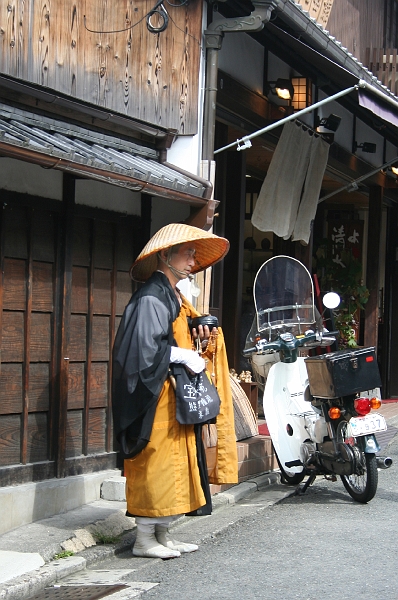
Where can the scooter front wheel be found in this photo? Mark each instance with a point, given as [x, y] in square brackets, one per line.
[287, 478]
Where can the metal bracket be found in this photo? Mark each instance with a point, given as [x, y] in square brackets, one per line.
[246, 144]
[253, 22]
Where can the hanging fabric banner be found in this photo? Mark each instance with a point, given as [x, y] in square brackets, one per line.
[288, 198]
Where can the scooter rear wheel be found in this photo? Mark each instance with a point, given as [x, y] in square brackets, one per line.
[362, 488]
[289, 479]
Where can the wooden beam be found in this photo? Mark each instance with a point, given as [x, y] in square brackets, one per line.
[203, 218]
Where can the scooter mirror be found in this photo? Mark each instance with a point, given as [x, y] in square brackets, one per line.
[331, 300]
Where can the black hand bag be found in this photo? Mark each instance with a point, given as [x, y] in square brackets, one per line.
[197, 399]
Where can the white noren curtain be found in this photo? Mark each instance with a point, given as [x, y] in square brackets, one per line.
[288, 198]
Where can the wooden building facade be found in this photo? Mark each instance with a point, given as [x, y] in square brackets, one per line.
[132, 81]
[97, 90]
[110, 54]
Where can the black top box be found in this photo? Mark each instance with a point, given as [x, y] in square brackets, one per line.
[343, 373]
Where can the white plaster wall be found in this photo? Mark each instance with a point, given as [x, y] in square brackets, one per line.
[109, 197]
[185, 153]
[277, 68]
[166, 211]
[391, 151]
[243, 59]
[26, 178]
[185, 287]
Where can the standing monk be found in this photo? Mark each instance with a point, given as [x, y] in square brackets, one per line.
[165, 464]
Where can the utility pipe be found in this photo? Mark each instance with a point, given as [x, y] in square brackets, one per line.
[214, 35]
[210, 105]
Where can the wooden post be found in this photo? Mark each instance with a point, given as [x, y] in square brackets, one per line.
[233, 262]
[66, 267]
[89, 341]
[27, 343]
[372, 265]
[304, 253]
[389, 345]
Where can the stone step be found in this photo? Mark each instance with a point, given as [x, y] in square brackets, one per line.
[255, 456]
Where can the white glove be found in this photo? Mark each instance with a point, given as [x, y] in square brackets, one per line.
[189, 358]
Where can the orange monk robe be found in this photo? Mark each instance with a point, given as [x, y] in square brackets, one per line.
[163, 479]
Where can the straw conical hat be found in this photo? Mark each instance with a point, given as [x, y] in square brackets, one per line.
[210, 249]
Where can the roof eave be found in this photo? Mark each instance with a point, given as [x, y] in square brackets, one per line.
[52, 162]
[320, 39]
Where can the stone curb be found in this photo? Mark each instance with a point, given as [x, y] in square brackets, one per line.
[34, 581]
[51, 573]
[245, 489]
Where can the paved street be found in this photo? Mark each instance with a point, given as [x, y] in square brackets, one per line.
[320, 545]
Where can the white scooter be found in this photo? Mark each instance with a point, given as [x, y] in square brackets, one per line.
[319, 421]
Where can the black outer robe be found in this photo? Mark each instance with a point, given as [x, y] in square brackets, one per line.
[141, 357]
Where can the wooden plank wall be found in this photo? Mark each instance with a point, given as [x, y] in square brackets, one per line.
[101, 288]
[42, 419]
[29, 266]
[383, 63]
[118, 65]
[358, 24]
[318, 9]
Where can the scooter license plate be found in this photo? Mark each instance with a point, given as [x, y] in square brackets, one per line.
[367, 424]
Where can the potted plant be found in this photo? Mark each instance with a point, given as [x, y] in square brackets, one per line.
[342, 272]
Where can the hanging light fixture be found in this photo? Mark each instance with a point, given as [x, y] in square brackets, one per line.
[283, 88]
[331, 122]
[365, 147]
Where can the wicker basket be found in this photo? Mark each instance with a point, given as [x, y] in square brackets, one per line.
[209, 437]
[245, 419]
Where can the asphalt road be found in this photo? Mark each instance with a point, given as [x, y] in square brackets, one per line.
[322, 545]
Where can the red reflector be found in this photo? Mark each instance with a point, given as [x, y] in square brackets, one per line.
[369, 359]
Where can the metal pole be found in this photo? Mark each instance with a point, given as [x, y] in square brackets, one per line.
[246, 139]
[354, 184]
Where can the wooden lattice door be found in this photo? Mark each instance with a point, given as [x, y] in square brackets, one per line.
[101, 287]
[64, 286]
[29, 242]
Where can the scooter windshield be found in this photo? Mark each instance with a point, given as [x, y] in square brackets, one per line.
[283, 294]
